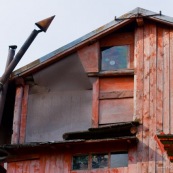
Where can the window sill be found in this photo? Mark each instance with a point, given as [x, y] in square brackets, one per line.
[123, 72]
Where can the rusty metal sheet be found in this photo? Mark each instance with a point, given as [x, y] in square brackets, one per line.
[52, 114]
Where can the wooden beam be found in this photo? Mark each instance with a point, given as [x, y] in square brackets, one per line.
[17, 115]
[24, 114]
[95, 104]
[116, 94]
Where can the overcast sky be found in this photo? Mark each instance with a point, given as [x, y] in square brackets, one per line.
[74, 18]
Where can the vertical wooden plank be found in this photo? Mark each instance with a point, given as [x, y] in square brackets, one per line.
[132, 160]
[171, 88]
[47, 164]
[34, 166]
[11, 167]
[17, 115]
[146, 113]
[159, 97]
[166, 81]
[95, 104]
[166, 113]
[24, 114]
[171, 81]
[138, 89]
[26, 167]
[52, 162]
[60, 163]
[42, 163]
[152, 122]
[19, 167]
[67, 162]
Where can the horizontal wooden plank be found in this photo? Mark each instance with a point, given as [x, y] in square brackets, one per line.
[117, 39]
[117, 83]
[116, 94]
[122, 72]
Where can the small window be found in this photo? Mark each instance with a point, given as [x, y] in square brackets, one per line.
[80, 162]
[114, 58]
[119, 160]
[99, 161]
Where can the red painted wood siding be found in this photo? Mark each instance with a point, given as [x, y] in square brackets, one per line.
[153, 94]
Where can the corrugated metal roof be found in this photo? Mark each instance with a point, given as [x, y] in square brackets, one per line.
[92, 36]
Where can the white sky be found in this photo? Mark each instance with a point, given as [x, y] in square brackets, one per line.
[74, 18]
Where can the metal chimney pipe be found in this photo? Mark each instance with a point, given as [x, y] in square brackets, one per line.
[10, 57]
[43, 26]
[17, 58]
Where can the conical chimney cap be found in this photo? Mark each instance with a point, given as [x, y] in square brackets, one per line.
[44, 24]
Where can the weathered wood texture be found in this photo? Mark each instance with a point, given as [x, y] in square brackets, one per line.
[153, 94]
[24, 114]
[29, 166]
[17, 115]
[116, 99]
[89, 57]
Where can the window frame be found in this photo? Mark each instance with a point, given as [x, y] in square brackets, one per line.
[95, 153]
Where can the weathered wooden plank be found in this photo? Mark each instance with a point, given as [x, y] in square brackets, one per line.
[19, 167]
[166, 72]
[43, 159]
[146, 113]
[171, 81]
[132, 160]
[26, 167]
[95, 104]
[24, 114]
[67, 162]
[166, 96]
[117, 83]
[11, 167]
[115, 110]
[35, 166]
[116, 94]
[17, 115]
[159, 97]
[89, 56]
[117, 39]
[171, 88]
[60, 163]
[138, 90]
[152, 122]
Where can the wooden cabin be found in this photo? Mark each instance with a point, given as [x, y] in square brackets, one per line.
[103, 103]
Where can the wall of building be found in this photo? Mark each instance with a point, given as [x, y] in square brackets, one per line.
[153, 94]
[60, 101]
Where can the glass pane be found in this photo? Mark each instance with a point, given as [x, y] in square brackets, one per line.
[80, 162]
[99, 161]
[119, 160]
[114, 58]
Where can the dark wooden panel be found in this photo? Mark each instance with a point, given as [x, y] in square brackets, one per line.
[116, 94]
[52, 114]
[116, 110]
[117, 39]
